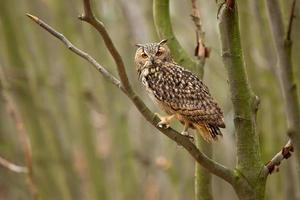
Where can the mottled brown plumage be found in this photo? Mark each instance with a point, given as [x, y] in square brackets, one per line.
[178, 91]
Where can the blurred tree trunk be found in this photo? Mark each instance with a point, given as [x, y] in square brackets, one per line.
[203, 179]
[290, 191]
[49, 178]
[285, 72]
[123, 154]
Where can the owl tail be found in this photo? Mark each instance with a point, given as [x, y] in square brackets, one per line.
[208, 132]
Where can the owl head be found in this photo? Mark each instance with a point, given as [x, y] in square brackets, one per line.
[151, 54]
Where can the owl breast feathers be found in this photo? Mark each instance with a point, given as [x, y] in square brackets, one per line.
[180, 93]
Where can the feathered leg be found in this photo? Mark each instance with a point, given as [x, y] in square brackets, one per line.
[185, 128]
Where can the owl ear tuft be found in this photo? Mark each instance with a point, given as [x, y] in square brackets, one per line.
[164, 41]
[139, 45]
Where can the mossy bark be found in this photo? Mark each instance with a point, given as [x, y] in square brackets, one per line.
[248, 184]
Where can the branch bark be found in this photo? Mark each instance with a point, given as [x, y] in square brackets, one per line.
[285, 74]
[125, 87]
[245, 104]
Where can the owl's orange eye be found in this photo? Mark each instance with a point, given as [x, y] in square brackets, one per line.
[158, 53]
[144, 55]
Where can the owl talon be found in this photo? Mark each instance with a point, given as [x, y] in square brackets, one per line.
[191, 138]
[162, 125]
[186, 134]
[164, 121]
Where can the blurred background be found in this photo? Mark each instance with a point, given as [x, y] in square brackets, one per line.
[88, 141]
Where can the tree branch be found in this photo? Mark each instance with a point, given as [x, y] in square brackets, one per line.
[273, 164]
[77, 51]
[210, 165]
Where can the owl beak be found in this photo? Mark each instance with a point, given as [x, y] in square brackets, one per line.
[151, 60]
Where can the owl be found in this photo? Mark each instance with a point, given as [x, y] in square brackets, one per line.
[177, 91]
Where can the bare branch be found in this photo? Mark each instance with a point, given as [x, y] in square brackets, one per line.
[13, 167]
[273, 164]
[184, 141]
[291, 19]
[77, 51]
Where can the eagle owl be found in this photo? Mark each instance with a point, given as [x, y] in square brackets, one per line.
[177, 91]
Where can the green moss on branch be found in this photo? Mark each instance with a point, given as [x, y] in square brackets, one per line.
[249, 161]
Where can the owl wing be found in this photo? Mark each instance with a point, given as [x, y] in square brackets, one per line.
[181, 91]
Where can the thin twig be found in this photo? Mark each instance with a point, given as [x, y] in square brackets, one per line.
[77, 51]
[291, 19]
[24, 139]
[184, 141]
[13, 167]
[201, 51]
[273, 164]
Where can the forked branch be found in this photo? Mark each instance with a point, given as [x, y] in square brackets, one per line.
[89, 17]
[124, 85]
[77, 51]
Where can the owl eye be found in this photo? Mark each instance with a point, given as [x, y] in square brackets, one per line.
[144, 55]
[158, 53]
